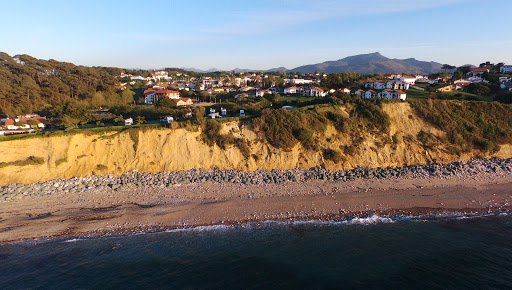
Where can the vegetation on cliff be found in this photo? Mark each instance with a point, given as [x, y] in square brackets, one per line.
[468, 125]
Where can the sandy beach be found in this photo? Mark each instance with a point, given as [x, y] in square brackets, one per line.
[146, 209]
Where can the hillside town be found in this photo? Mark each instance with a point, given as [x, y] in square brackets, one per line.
[186, 90]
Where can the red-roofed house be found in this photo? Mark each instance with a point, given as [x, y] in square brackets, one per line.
[183, 102]
[370, 94]
[387, 93]
[152, 96]
[400, 95]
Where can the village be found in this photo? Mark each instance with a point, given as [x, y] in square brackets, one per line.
[186, 91]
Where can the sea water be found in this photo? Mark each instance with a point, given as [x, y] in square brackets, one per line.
[374, 252]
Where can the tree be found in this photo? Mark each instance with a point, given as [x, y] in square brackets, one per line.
[127, 96]
[199, 113]
[167, 103]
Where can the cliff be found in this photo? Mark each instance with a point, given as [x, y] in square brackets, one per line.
[158, 150]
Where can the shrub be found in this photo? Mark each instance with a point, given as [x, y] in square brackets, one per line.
[333, 155]
[101, 167]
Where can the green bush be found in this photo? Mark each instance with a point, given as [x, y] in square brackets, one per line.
[469, 125]
[333, 155]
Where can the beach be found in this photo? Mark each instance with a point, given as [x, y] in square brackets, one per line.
[132, 210]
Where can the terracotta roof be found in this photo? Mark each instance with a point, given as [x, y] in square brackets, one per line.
[400, 92]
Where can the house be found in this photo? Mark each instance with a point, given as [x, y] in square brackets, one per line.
[223, 111]
[242, 113]
[478, 71]
[167, 119]
[387, 93]
[152, 96]
[222, 90]
[408, 79]
[370, 94]
[301, 81]
[399, 95]
[448, 88]
[317, 92]
[182, 102]
[360, 92]
[506, 69]
[377, 85]
[261, 93]
[397, 85]
[213, 114]
[345, 91]
[291, 90]
[128, 122]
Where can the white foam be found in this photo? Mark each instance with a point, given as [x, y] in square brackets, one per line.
[202, 229]
[72, 240]
[371, 220]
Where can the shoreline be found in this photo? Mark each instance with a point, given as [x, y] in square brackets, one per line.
[127, 211]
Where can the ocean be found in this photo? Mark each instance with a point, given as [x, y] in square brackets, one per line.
[377, 253]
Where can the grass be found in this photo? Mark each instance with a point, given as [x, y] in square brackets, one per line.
[31, 160]
[413, 94]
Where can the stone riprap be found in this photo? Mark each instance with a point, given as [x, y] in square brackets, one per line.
[134, 179]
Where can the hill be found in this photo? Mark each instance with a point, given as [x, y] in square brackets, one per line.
[372, 63]
[28, 85]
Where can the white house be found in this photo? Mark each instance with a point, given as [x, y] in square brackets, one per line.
[302, 81]
[378, 85]
[360, 92]
[408, 79]
[152, 96]
[345, 91]
[370, 94]
[506, 69]
[400, 95]
[223, 111]
[291, 90]
[182, 102]
[261, 93]
[128, 122]
[168, 119]
[387, 93]
[397, 85]
[242, 113]
[317, 92]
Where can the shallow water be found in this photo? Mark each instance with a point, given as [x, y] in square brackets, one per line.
[361, 253]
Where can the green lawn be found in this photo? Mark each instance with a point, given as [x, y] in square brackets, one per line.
[414, 94]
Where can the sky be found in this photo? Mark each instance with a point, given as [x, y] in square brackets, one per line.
[260, 34]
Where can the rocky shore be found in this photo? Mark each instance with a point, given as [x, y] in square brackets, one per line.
[136, 179]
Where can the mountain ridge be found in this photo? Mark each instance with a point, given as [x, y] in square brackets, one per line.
[372, 63]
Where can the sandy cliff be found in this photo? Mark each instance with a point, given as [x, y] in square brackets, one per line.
[169, 150]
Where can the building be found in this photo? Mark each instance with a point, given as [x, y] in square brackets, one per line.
[261, 93]
[152, 96]
[359, 92]
[399, 95]
[291, 90]
[397, 85]
[387, 93]
[183, 102]
[370, 94]
[128, 122]
[506, 69]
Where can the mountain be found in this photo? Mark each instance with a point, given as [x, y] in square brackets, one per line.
[372, 63]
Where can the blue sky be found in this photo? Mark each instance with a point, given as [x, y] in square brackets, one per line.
[255, 34]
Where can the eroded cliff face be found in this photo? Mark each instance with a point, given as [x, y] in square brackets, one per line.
[172, 150]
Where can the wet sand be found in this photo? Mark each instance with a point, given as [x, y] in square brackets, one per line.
[147, 209]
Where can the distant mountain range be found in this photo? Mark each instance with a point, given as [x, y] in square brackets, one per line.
[372, 63]
[363, 63]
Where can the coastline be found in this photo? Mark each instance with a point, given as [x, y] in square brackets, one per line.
[132, 210]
